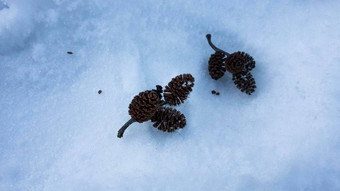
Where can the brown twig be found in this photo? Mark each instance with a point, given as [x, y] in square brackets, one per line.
[214, 47]
[125, 126]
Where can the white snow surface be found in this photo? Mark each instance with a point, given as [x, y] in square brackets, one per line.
[58, 133]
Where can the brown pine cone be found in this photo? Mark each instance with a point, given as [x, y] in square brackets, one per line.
[239, 62]
[216, 65]
[249, 62]
[143, 106]
[245, 82]
[178, 89]
[168, 119]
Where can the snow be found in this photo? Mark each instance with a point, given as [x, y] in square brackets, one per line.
[58, 133]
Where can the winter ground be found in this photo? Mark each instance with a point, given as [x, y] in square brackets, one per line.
[57, 133]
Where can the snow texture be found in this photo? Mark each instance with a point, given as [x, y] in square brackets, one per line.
[58, 133]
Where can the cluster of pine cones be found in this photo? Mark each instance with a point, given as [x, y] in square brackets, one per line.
[149, 105]
[239, 64]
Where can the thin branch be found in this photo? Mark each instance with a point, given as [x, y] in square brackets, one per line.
[125, 126]
[214, 47]
[163, 103]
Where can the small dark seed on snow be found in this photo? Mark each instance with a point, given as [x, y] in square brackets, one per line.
[69, 52]
[100, 91]
[213, 92]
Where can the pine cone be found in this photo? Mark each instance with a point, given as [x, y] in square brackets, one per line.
[245, 82]
[249, 62]
[216, 66]
[168, 119]
[178, 89]
[239, 62]
[143, 106]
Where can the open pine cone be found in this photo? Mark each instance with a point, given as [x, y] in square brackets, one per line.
[144, 105]
[239, 62]
[235, 63]
[249, 62]
[216, 65]
[168, 120]
[178, 89]
[245, 82]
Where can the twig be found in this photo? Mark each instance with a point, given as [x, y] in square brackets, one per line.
[214, 47]
[125, 126]
[163, 103]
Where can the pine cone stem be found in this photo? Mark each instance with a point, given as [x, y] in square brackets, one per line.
[124, 127]
[163, 103]
[128, 123]
[214, 47]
